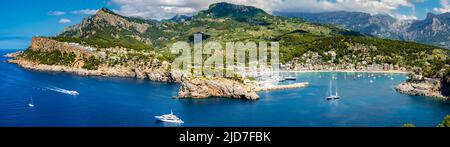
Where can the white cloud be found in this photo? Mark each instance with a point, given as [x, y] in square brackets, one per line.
[389, 7]
[445, 7]
[57, 13]
[64, 20]
[159, 9]
[85, 12]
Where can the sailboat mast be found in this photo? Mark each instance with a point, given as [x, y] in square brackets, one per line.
[336, 91]
[330, 86]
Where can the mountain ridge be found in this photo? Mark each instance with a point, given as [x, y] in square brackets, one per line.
[433, 30]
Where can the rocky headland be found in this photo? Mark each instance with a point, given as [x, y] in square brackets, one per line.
[429, 87]
[425, 88]
[13, 55]
[157, 71]
[216, 87]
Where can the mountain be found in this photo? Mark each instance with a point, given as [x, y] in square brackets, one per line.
[107, 28]
[110, 44]
[225, 22]
[434, 30]
[229, 22]
[221, 21]
[239, 13]
[178, 18]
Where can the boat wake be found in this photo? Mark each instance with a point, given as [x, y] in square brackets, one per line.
[56, 89]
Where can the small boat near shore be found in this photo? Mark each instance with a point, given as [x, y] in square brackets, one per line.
[31, 104]
[171, 118]
[291, 78]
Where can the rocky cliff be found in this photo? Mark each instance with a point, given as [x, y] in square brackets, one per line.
[216, 87]
[445, 86]
[104, 18]
[429, 88]
[154, 70]
[13, 55]
[48, 45]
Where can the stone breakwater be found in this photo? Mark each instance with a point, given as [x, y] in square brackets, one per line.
[283, 87]
[429, 88]
[216, 87]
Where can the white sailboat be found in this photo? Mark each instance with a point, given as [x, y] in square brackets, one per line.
[31, 104]
[290, 77]
[331, 96]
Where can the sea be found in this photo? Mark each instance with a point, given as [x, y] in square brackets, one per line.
[129, 102]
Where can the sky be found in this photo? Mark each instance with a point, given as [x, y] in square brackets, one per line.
[23, 19]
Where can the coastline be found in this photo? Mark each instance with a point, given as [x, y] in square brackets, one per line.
[430, 89]
[161, 74]
[154, 74]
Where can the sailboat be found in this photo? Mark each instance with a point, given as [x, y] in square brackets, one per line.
[331, 96]
[31, 104]
[290, 77]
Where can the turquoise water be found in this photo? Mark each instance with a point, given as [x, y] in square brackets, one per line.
[130, 102]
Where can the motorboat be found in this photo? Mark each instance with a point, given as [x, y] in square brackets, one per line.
[73, 93]
[31, 104]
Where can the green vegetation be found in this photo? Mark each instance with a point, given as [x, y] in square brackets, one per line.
[57, 57]
[102, 40]
[91, 63]
[425, 59]
[225, 22]
[238, 78]
[51, 58]
[409, 125]
[445, 122]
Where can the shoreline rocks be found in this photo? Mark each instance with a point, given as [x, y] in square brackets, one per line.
[13, 55]
[216, 87]
[154, 74]
[428, 88]
[193, 88]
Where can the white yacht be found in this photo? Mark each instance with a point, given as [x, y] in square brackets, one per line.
[331, 96]
[31, 104]
[171, 118]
